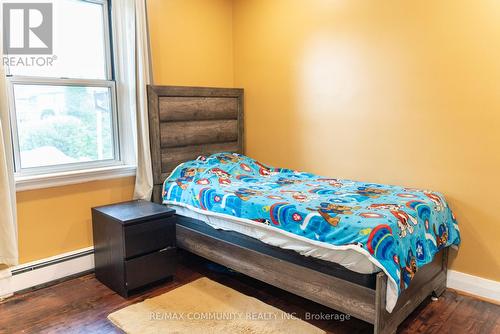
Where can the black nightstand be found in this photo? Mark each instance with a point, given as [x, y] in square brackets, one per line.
[134, 245]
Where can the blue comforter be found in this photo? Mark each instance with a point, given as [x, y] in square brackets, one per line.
[400, 229]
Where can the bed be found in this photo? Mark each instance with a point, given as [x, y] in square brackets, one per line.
[188, 122]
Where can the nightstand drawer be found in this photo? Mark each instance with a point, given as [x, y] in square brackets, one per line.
[149, 236]
[150, 268]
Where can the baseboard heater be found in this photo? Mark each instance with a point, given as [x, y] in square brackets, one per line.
[38, 274]
[51, 262]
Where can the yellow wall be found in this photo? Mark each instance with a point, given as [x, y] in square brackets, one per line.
[387, 91]
[401, 92]
[58, 220]
[191, 42]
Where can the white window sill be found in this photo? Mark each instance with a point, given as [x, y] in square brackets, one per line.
[73, 177]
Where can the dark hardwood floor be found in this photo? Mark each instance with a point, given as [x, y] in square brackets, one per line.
[80, 305]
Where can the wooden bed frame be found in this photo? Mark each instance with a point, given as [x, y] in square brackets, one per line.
[186, 122]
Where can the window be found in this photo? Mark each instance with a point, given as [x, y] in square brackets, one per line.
[63, 113]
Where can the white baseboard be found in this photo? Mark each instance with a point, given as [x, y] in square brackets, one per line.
[474, 285]
[43, 271]
[28, 275]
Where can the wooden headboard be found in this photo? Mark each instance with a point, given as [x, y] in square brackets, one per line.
[186, 122]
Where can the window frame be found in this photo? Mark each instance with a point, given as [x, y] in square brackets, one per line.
[44, 173]
[26, 171]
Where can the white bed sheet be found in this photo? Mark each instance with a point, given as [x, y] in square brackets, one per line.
[348, 258]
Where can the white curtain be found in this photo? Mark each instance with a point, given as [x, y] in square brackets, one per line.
[133, 73]
[8, 227]
[8, 230]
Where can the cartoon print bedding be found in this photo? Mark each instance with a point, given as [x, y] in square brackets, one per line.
[399, 229]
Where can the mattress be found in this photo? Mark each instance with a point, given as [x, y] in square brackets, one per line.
[348, 258]
[395, 229]
[203, 230]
